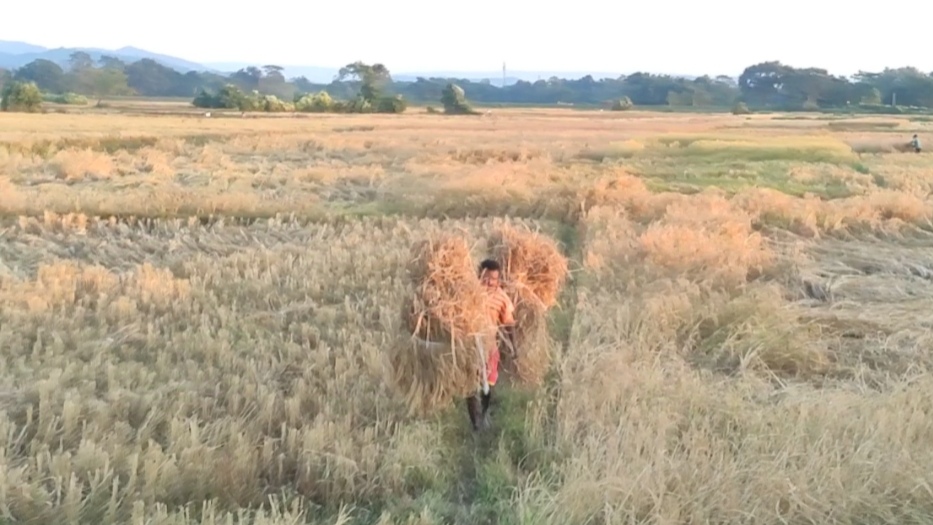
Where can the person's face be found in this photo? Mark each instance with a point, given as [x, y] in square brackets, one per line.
[490, 279]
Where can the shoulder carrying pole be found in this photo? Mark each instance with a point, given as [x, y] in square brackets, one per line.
[482, 358]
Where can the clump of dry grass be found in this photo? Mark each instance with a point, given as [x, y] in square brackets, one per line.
[65, 285]
[533, 272]
[692, 288]
[78, 164]
[704, 237]
[757, 330]
[155, 162]
[876, 210]
[447, 326]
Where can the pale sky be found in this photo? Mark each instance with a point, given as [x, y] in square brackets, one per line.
[675, 36]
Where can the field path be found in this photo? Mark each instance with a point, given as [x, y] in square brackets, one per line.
[481, 490]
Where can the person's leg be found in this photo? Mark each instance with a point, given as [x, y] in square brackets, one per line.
[492, 367]
[492, 376]
[474, 409]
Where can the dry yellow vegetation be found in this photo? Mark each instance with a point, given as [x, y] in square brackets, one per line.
[195, 315]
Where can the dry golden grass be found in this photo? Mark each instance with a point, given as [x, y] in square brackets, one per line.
[743, 338]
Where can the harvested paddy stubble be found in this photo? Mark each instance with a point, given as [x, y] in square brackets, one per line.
[695, 398]
[704, 379]
[149, 369]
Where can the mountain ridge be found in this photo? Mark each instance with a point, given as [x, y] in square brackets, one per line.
[15, 54]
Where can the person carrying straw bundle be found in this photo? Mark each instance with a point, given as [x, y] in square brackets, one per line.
[501, 312]
[534, 270]
[449, 332]
[455, 319]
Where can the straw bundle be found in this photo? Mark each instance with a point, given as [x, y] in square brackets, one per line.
[533, 271]
[530, 259]
[439, 359]
[448, 294]
[531, 340]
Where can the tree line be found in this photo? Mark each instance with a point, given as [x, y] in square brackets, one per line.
[362, 87]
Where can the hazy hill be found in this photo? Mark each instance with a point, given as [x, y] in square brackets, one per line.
[17, 54]
[17, 48]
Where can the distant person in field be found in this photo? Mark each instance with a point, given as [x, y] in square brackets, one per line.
[915, 143]
[502, 312]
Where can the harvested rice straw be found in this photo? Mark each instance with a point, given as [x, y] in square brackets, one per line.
[533, 271]
[437, 359]
[447, 288]
[530, 258]
[531, 338]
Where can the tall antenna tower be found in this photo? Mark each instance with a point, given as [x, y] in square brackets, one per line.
[503, 74]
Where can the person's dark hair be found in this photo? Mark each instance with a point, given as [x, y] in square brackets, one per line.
[489, 265]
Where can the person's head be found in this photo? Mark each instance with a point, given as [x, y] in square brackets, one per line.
[915, 135]
[489, 273]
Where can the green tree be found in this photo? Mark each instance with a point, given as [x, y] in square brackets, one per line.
[21, 97]
[105, 82]
[372, 78]
[150, 78]
[396, 104]
[622, 104]
[319, 102]
[273, 82]
[273, 73]
[869, 96]
[46, 74]
[453, 98]
[227, 97]
[110, 62]
[80, 61]
[761, 84]
[248, 78]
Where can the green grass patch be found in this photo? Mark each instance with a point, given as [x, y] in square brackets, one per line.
[71, 99]
[721, 149]
[850, 125]
[733, 177]
[796, 149]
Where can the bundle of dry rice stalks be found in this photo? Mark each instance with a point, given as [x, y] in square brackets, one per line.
[439, 359]
[533, 271]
